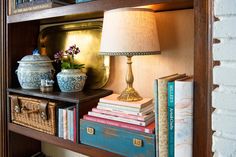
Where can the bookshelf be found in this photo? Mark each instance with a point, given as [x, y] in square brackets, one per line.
[19, 35]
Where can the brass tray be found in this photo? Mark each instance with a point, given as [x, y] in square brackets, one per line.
[87, 36]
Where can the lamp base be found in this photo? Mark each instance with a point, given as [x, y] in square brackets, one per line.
[129, 94]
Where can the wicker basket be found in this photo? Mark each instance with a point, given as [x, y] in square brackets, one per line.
[34, 113]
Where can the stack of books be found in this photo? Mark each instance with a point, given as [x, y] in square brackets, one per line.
[136, 115]
[67, 120]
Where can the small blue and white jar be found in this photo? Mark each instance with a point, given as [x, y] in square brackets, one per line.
[71, 80]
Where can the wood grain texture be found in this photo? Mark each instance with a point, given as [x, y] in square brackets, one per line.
[22, 40]
[75, 97]
[22, 146]
[203, 10]
[87, 150]
[3, 113]
[95, 9]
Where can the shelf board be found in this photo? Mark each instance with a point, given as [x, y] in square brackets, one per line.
[75, 97]
[95, 9]
[80, 148]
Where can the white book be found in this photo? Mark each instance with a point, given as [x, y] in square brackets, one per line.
[147, 110]
[120, 119]
[183, 136]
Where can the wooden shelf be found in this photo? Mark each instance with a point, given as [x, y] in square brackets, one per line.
[95, 9]
[80, 148]
[76, 97]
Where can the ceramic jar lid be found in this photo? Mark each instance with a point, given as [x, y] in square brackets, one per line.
[35, 59]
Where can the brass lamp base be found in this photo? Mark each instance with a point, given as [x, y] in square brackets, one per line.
[129, 94]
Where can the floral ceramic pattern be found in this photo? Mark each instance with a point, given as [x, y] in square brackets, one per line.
[32, 80]
[71, 80]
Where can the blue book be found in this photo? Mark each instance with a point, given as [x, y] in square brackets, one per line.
[171, 118]
[60, 123]
[156, 116]
[70, 123]
[81, 1]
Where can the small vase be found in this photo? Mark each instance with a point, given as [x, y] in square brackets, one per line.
[71, 80]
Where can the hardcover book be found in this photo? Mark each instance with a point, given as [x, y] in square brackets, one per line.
[120, 119]
[156, 116]
[163, 113]
[112, 99]
[183, 136]
[171, 116]
[125, 108]
[145, 111]
[147, 129]
[70, 123]
[35, 5]
[60, 123]
[128, 116]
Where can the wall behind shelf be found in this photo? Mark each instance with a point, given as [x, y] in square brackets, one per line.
[176, 35]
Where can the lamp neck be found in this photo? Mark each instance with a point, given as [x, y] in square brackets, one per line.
[129, 75]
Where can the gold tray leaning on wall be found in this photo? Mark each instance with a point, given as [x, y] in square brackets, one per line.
[86, 35]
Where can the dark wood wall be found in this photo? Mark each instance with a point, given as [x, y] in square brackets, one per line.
[3, 121]
[202, 139]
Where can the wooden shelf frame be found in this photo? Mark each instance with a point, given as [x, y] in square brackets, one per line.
[95, 9]
[203, 19]
[66, 144]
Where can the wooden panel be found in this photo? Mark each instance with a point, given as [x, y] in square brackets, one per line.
[22, 40]
[22, 146]
[94, 9]
[74, 97]
[3, 116]
[203, 78]
[87, 150]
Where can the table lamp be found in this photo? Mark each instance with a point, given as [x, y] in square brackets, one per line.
[129, 32]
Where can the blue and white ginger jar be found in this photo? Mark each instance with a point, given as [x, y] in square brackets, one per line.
[33, 68]
[71, 80]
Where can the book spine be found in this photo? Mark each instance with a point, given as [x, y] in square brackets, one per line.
[74, 123]
[65, 132]
[60, 123]
[112, 99]
[32, 8]
[130, 121]
[119, 107]
[171, 114]
[156, 115]
[162, 118]
[126, 112]
[118, 124]
[71, 126]
[119, 114]
[68, 125]
[183, 118]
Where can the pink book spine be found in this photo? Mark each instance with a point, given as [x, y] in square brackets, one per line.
[75, 121]
[119, 114]
[148, 129]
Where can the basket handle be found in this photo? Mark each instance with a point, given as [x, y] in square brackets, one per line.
[42, 110]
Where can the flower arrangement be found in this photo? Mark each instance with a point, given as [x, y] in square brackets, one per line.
[67, 58]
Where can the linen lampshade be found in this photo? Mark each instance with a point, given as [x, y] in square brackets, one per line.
[128, 32]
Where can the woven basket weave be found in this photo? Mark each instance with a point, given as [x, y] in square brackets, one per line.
[33, 120]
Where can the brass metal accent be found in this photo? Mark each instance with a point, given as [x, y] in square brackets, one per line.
[137, 142]
[129, 94]
[17, 107]
[90, 131]
[86, 35]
